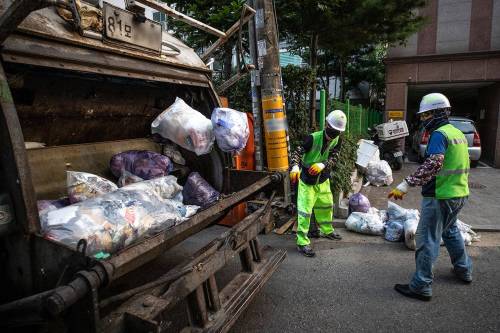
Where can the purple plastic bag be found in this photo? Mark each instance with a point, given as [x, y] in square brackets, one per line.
[359, 203]
[198, 191]
[142, 163]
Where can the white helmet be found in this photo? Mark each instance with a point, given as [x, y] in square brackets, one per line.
[433, 101]
[337, 120]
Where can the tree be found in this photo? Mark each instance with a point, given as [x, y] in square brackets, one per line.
[220, 14]
[342, 27]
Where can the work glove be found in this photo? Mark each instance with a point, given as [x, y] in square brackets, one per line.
[294, 174]
[399, 191]
[316, 168]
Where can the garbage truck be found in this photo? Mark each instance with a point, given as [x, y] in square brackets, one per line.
[77, 87]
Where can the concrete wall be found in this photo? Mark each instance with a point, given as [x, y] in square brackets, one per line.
[489, 100]
[454, 26]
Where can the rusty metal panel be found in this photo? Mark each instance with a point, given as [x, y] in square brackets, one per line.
[47, 23]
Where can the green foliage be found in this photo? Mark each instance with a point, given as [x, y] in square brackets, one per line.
[239, 95]
[296, 83]
[341, 174]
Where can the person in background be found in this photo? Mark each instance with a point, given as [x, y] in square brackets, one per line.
[444, 179]
[311, 166]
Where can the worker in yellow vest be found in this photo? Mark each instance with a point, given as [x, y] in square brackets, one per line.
[444, 179]
[311, 166]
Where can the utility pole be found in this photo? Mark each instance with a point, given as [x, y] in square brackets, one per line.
[271, 89]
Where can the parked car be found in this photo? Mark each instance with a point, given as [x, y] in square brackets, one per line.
[466, 125]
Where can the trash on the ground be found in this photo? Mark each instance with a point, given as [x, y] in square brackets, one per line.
[48, 205]
[359, 203]
[34, 145]
[142, 163]
[231, 129]
[171, 151]
[365, 223]
[408, 218]
[115, 220]
[394, 231]
[367, 152]
[186, 127]
[197, 191]
[392, 130]
[467, 233]
[379, 173]
[128, 178]
[83, 186]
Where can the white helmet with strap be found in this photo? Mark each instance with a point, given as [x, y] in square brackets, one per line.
[337, 120]
[433, 101]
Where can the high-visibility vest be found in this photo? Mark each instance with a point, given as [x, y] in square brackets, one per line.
[453, 179]
[314, 155]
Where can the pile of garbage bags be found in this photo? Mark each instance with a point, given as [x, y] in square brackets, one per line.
[115, 220]
[231, 129]
[186, 127]
[397, 224]
[84, 186]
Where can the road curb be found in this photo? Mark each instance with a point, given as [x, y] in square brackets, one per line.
[485, 228]
[340, 223]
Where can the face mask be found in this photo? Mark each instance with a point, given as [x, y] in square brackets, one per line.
[331, 133]
[428, 122]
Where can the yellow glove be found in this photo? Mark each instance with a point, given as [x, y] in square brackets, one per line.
[316, 168]
[294, 174]
[399, 191]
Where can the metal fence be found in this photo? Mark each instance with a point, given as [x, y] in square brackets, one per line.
[359, 119]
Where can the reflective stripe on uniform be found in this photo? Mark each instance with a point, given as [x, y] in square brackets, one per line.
[323, 207]
[303, 214]
[453, 172]
[458, 141]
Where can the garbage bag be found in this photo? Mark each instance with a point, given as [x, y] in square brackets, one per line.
[379, 173]
[365, 223]
[410, 227]
[127, 178]
[142, 163]
[467, 233]
[171, 151]
[115, 220]
[186, 127]
[48, 205]
[231, 129]
[197, 191]
[83, 186]
[394, 232]
[359, 203]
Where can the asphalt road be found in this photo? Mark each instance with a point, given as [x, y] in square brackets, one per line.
[348, 287]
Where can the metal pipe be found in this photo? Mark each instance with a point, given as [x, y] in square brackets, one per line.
[163, 8]
[322, 109]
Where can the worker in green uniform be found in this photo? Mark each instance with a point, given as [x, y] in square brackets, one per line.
[311, 166]
[444, 179]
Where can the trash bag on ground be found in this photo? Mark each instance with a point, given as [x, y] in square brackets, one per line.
[83, 186]
[408, 218]
[127, 178]
[230, 129]
[142, 163]
[186, 127]
[379, 173]
[197, 191]
[48, 205]
[359, 203]
[115, 220]
[365, 223]
[394, 231]
[467, 233]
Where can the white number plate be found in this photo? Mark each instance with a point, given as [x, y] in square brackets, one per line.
[120, 25]
[398, 154]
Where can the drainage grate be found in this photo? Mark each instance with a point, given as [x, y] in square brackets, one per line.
[476, 185]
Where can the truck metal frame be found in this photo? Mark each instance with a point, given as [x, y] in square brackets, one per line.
[79, 283]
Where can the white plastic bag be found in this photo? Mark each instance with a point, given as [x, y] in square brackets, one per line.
[83, 186]
[408, 217]
[115, 220]
[379, 173]
[186, 127]
[231, 129]
[127, 178]
[467, 233]
[365, 223]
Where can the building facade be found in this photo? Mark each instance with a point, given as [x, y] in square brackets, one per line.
[457, 53]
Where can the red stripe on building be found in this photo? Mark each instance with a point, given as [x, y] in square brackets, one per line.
[480, 25]
[427, 36]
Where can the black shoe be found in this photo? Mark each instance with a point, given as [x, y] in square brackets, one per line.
[313, 234]
[332, 236]
[404, 290]
[306, 250]
[464, 277]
